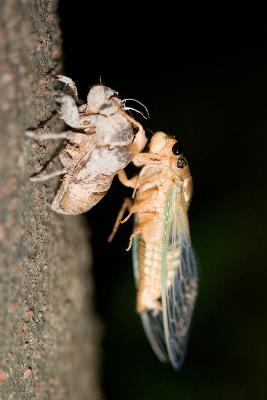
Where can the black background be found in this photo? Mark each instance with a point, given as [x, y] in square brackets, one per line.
[205, 80]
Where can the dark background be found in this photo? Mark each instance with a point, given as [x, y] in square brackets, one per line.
[204, 80]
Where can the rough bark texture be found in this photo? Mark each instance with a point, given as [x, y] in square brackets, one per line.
[48, 331]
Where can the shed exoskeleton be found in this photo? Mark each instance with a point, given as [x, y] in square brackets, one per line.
[102, 140]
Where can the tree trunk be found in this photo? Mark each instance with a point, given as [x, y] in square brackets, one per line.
[48, 330]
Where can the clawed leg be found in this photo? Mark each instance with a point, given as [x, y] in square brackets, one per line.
[140, 139]
[69, 82]
[44, 177]
[69, 110]
[133, 235]
[132, 182]
[141, 206]
[127, 205]
[147, 159]
[50, 136]
[40, 177]
[140, 227]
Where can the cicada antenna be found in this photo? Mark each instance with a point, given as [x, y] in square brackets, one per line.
[134, 109]
[139, 102]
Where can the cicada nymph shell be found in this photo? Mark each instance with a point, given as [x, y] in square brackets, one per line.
[101, 141]
[164, 261]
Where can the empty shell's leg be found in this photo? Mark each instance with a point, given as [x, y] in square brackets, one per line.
[140, 139]
[127, 205]
[51, 135]
[69, 82]
[69, 110]
[44, 177]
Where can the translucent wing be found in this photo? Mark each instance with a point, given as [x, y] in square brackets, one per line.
[167, 331]
[153, 324]
[178, 277]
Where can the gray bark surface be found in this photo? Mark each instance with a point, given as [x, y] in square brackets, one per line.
[49, 334]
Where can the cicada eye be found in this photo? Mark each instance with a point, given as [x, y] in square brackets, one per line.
[181, 163]
[177, 148]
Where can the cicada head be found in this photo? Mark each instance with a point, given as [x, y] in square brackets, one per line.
[103, 100]
[172, 150]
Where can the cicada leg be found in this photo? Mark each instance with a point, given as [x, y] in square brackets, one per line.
[140, 139]
[132, 182]
[51, 135]
[140, 206]
[142, 159]
[44, 177]
[127, 205]
[150, 216]
[70, 83]
[69, 111]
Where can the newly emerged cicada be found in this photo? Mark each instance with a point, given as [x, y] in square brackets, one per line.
[101, 140]
[164, 262]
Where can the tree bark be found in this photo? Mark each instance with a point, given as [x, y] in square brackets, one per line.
[48, 330]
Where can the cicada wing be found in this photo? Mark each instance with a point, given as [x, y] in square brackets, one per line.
[167, 330]
[179, 277]
[152, 324]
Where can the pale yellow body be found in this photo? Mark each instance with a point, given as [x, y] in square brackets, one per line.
[158, 174]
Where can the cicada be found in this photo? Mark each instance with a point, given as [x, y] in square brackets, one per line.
[101, 141]
[164, 261]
